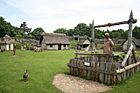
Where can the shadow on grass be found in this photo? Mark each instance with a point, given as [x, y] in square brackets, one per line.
[22, 80]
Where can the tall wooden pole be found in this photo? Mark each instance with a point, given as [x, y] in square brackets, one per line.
[93, 30]
[130, 34]
[93, 37]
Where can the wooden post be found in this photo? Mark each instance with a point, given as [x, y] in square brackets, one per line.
[130, 35]
[92, 45]
[93, 30]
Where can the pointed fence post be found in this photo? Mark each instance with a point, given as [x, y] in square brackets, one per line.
[93, 37]
[130, 34]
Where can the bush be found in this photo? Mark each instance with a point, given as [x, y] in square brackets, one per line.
[18, 45]
[73, 44]
[117, 47]
[25, 45]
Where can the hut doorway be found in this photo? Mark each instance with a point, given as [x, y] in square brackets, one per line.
[59, 46]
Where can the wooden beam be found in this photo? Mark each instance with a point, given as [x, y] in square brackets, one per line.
[116, 23]
[127, 67]
[130, 34]
[127, 56]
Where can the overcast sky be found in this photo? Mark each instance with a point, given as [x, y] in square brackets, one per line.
[53, 14]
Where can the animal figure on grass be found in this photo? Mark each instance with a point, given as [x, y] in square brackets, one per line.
[25, 75]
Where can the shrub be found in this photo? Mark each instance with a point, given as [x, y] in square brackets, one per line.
[117, 47]
[73, 44]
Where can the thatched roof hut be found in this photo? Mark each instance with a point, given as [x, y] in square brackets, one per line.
[54, 41]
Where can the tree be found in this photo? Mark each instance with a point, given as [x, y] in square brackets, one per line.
[4, 27]
[7, 28]
[136, 32]
[82, 29]
[61, 30]
[70, 32]
[24, 28]
[99, 34]
[37, 33]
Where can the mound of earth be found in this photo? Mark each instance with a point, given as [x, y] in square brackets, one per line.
[71, 84]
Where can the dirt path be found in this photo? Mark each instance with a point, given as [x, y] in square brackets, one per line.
[71, 84]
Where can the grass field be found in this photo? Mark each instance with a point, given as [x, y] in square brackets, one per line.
[42, 67]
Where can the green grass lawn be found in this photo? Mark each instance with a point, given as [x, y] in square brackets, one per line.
[42, 67]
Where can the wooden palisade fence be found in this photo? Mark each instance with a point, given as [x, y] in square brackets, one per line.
[104, 68]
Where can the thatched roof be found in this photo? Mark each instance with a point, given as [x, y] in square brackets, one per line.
[134, 40]
[55, 38]
[84, 42]
[7, 40]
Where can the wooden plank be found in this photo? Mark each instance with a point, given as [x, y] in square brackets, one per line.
[119, 77]
[109, 75]
[112, 76]
[80, 64]
[134, 56]
[72, 63]
[93, 72]
[96, 71]
[102, 67]
[133, 70]
[75, 67]
[127, 55]
[127, 67]
[127, 73]
[116, 23]
[106, 76]
[77, 64]
[89, 73]
[137, 68]
[124, 75]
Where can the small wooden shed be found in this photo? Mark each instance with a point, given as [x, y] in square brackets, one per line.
[6, 43]
[84, 43]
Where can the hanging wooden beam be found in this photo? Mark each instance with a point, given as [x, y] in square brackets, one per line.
[116, 23]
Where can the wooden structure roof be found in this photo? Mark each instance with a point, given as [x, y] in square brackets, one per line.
[55, 38]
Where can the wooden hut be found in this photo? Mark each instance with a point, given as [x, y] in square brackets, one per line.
[6, 43]
[135, 42]
[54, 41]
[83, 41]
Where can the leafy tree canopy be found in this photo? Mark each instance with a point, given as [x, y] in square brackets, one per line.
[83, 29]
[36, 34]
[7, 28]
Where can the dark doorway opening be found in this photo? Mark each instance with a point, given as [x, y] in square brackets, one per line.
[59, 47]
[85, 45]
